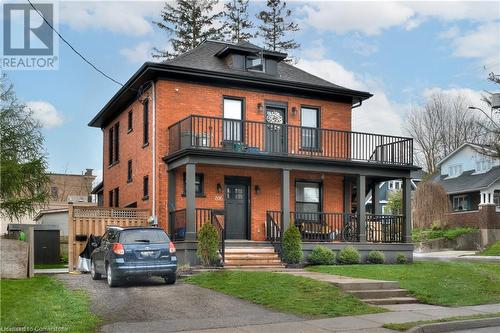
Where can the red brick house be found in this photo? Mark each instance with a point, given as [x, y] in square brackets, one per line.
[232, 135]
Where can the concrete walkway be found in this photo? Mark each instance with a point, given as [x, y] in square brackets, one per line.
[450, 255]
[365, 323]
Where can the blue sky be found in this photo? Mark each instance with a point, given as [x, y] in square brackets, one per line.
[400, 51]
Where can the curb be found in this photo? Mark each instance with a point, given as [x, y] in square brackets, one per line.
[456, 325]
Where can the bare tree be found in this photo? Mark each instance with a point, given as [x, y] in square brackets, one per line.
[440, 126]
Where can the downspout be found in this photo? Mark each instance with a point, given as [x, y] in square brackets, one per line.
[153, 88]
[358, 104]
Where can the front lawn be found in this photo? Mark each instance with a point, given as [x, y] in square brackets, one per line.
[42, 303]
[442, 283]
[50, 266]
[283, 292]
[492, 250]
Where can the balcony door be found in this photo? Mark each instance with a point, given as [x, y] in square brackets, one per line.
[275, 130]
[232, 128]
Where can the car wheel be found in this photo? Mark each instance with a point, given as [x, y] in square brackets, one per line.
[93, 272]
[170, 278]
[110, 275]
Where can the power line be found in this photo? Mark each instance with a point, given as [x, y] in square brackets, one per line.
[72, 48]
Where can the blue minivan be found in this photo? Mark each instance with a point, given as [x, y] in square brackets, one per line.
[136, 251]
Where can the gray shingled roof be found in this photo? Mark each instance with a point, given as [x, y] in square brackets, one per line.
[203, 57]
[468, 181]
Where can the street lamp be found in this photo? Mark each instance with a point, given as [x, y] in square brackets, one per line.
[486, 114]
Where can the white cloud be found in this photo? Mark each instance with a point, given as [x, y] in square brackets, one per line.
[139, 53]
[343, 17]
[482, 43]
[129, 17]
[377, 114]
[45, 113]
[472, 96]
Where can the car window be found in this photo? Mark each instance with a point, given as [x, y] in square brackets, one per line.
[141, 236]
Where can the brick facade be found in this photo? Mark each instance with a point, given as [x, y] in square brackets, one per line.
[176, 100]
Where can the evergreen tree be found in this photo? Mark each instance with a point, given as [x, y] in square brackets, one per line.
[190, 22]
[276, 22]
[237, 23]
[24, 183]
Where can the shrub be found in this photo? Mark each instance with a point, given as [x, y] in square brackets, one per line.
[208, 245]
[321, 255]
[349, 255]
[401, 258]
[375, 257]
[292, 247]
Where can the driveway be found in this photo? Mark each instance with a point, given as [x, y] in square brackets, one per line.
[153, 306]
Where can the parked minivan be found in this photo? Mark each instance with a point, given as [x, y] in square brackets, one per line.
[136, 251]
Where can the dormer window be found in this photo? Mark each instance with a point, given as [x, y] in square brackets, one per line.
[255, 63]
[455, 170]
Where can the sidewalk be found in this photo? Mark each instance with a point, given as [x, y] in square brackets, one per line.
[365, 323]
[454, 256]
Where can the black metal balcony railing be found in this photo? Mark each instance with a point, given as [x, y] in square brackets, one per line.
[178, 222]
[344, 227]
[252, 137]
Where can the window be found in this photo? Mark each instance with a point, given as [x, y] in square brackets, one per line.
[111, 149]
[117, 142]
[255, 63]
[117, 197]
[145, 187]
[483, 165]
[198, 185]
[496, 199]
[454, 170]
[54, 193]
[111, 202]
[145, 106]
[129, 171]
[129, 122]
[114, 144]
[308, 200]
[309, 118]
[232, 114]
[460, 202]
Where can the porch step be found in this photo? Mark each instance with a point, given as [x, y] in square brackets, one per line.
[391, 300]
[245, 254]
[368, 285]
[377, 294]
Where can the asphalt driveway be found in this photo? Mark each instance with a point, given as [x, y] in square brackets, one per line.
[152, 306]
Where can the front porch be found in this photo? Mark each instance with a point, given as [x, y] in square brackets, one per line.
[256, 205]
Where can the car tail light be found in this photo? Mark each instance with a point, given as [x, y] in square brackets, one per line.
[171, 247]
[118, 248]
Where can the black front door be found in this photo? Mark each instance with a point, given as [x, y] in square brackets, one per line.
[236, 218]
[276, 129]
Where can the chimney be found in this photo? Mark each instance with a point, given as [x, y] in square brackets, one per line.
[88, 172]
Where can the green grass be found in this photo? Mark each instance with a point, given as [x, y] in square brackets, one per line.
[43, 302]
[421, 234]
[48, 266]
[442, 283]
[492, 250]
[411, 324]
[283, 292]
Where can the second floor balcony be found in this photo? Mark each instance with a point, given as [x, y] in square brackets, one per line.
[278, 139]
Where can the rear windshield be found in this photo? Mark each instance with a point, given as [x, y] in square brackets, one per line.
[134, 236]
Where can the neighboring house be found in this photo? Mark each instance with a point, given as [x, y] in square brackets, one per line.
[233, 135]
[98, 191]
[471, 177]
[386, 189]
[64, 188]
[57, 217]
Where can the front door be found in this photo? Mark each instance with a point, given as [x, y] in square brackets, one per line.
[275, 129]
[236, 218]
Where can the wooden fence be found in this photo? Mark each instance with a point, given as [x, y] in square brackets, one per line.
[84, 221]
